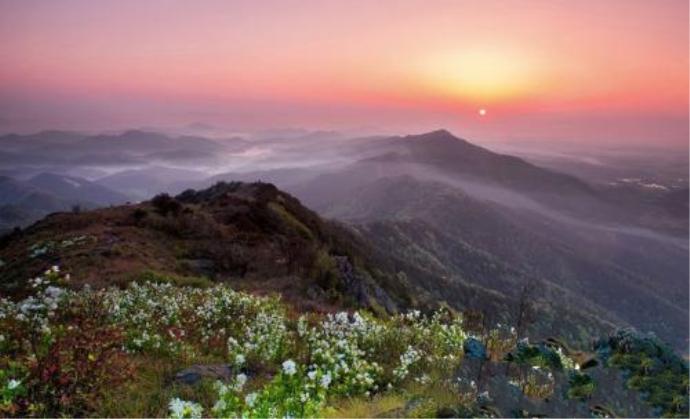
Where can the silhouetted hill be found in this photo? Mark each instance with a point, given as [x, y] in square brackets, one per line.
[147, 182]
[252, 236]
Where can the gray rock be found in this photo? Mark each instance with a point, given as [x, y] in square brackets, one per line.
[194, 374]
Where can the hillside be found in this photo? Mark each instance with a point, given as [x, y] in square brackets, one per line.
[255, 237]
[237, 300]
[251, 236]
[595, 263]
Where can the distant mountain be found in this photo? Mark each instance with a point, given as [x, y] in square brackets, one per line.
[444, 151]
[439, 155]
[23, 202]
[15, 142]
[149, 181]
[74, 189]
[465, 224]
[131, 147]
[536, 221]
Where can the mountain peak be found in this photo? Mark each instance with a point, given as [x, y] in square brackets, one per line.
[436, 134]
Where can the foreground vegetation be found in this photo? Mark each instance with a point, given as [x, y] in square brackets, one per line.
[112, 352]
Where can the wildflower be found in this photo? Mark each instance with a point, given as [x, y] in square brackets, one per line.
[311, 375]
[184, 409]
[12, 384]
[289, 367]
[326, 380]
[250, 399]
[240, 381]
[239, 359]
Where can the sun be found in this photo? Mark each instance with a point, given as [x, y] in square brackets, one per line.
[482, 112]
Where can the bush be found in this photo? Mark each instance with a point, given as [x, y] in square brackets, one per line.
[165, 204]
[59, 354]
[581, 386]
[84, 360]
[139, 214]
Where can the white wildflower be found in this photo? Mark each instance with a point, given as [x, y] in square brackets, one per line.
[250, 399]
[240, 381]
[239, 359]
[183, 409]
[326, 380]
[12, 384]
[289, 367]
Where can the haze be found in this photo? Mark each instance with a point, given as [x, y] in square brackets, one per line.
[589, 72]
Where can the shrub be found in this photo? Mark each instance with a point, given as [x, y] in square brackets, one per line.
[61, 349]
[581, 386]
[293, 392]
[139, 214]
[165, 204]
[83, 361]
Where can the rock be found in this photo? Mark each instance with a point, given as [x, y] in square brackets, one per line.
[474, 349]
[362, 287]
[194, 374]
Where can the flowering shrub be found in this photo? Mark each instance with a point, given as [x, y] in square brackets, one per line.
[292, 393]
[58, 353]
[162, 318]
[183, 409]
[348, 355]
[61, 351]
[336, 348]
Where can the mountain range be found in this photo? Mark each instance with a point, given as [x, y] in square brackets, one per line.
[451, 221]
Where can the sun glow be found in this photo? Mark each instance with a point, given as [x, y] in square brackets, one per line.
[483, 74]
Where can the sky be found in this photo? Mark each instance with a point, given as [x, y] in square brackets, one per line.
[612, 72]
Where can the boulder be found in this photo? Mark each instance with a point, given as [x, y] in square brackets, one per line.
[194, 374]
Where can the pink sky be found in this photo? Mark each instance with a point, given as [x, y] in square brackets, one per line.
[611, 71]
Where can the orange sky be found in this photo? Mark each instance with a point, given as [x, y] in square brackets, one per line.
[606, 70]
